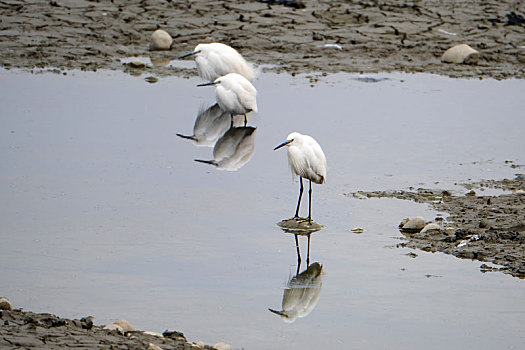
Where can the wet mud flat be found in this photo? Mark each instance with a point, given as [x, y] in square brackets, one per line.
[27, 330]
[480, 227]
[292, 36]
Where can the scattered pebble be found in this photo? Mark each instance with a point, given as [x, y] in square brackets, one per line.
[152, 346]
[137, 64]
[5, 304]
[335, 46]
[151, 80]
[358, 230]
[160, 40]
[125, 325]
[431, 227]
[222, 346]
[154, 334]
[413, 225]
[460, 54]
[114, 327]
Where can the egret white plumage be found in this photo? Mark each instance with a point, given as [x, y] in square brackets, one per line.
[306, 160]
[215, 60]
[235, 94]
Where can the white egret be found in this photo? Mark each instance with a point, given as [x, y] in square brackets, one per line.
[235, 94]
[307, 160]
[215, 60]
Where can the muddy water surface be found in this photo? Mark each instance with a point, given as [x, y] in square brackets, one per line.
[106, 213]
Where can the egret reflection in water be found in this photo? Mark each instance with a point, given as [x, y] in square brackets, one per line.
[301, 294]
[210, 125]
[234, 149]
[303, 290]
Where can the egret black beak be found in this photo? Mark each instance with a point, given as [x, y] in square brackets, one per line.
[210, 162]
[283, 144]
[280, 313]
[210, 83]
[189, 54]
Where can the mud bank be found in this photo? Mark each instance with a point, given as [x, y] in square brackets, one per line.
[291, 36]
[27, 330]
[485, 228]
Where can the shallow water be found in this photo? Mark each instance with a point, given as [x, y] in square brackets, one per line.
[106, 213]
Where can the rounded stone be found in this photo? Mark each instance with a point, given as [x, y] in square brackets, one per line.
[160, 40]
[5, 304]
[125, 325]
[460, 54]
[431, 227]
[414, 224]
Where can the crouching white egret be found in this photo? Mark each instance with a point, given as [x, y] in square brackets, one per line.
[306, 160]
[235, 94]
[215, 60]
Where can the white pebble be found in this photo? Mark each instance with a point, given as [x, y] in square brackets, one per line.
[431, 227]
[114, 327]
[5, 304]
[416, 223]
[460, 54]
[155, 334]
[160, 40]
[222, 346]
[125, 325]
[152, 346]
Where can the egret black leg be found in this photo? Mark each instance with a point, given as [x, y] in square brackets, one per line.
[310, 204]
[300, 195]
[298, 255]
[308, 252]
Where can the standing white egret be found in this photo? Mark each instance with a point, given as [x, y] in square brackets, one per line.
[235, 94]
[215, 60]
[307, 160]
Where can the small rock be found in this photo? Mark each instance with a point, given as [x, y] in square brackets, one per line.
[483, 223]
[414, 225]
[114, 327]
[137, 64]
[222, 346]
[460, 54]
[199, 344]
[152, 346]
[125, 325]
[5, 304]
[151, 80]
[154, 334]
[358, 230]
[431, 227]
[160, 40]
[173, 335]
[471, 193]
[403, 222]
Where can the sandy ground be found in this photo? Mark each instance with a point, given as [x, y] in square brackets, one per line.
[25, 330]
[284, 36]
[371, 36]
[485, 228]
